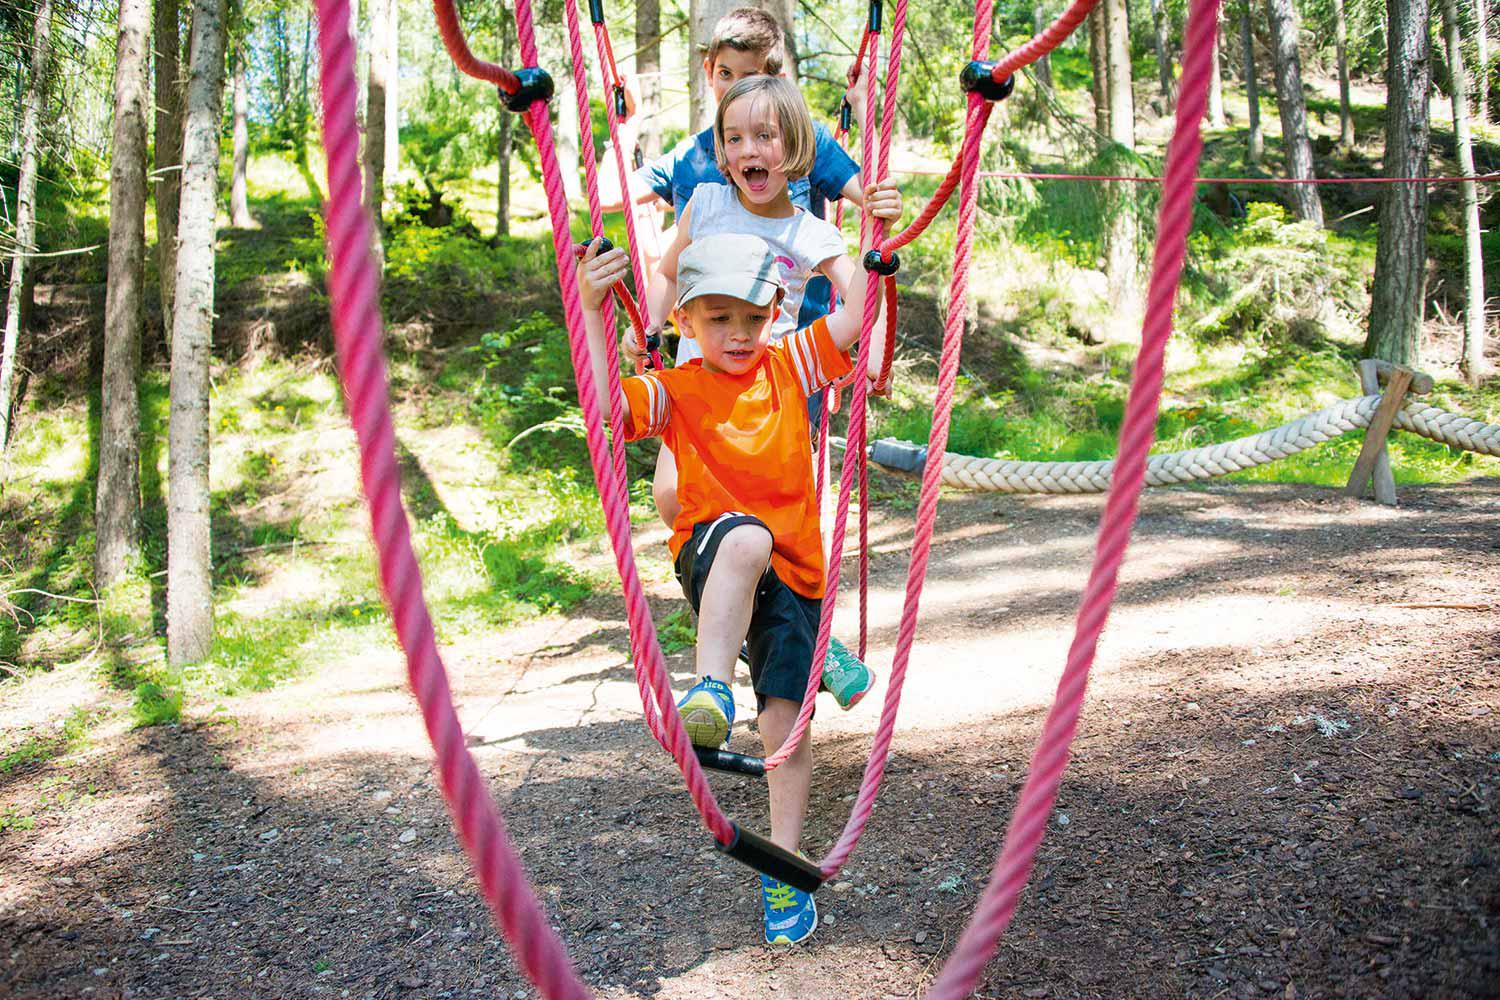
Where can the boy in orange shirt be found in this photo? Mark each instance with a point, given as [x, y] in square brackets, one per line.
[747, 546]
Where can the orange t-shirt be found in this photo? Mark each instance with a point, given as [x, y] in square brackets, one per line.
[742, 445]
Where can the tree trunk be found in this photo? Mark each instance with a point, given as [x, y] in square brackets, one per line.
[1099, 77]
[392, 91]
[117, 501]
[648, 73]
[1293, 109]
[168, 163]
[1215, 79]
[189, 555]
[1399, 293]
[1120, 257]
[1163, 55]
[1472, 360]
[1341, 47]
[25, 234]
[507, 136]
[1482, 43]
[568, 156]
[375, 123]
[239, 201]
[1257, 139]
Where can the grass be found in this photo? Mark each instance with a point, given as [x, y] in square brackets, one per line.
[43, 747]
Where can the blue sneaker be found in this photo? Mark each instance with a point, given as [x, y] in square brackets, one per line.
[791, 915]
[708, 713]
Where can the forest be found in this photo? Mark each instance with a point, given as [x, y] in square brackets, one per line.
[187, 585]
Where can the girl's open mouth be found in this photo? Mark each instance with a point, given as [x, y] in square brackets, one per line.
[757, 179]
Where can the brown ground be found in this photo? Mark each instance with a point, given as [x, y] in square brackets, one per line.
[1209, 841]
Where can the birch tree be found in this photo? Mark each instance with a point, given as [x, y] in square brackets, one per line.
[239, 198]
[189, 555]
[381, 39]
[1399, 292]
[1121, 232]
[117, 499]
[648, 73]
[31, 110]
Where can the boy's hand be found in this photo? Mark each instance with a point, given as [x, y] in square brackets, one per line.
[598, 273]
[631, 350]
[883, 201]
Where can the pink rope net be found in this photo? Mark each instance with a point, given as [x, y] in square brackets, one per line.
[357, 331]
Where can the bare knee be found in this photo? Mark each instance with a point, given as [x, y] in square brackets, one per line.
[747, 547]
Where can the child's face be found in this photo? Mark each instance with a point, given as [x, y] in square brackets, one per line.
[730, 67]
[732, 333]
[753, 150]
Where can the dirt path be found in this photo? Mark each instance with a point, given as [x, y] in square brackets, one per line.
[1283, 786]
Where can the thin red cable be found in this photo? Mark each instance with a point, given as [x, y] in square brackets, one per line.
[1029, 821]
[1017, 175]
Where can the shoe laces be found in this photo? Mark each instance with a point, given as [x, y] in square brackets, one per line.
[780, 896]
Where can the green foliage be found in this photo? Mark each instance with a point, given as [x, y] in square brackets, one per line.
[678, 631]
[41, 748]
[157, 703]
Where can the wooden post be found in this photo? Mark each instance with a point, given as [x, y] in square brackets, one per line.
[1373, 457]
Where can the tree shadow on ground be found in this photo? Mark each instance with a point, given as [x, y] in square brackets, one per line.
[1214, 843]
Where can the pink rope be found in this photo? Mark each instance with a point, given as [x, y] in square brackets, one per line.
[612, 494]
[357, 337]
[596, 227]
[1029, 821]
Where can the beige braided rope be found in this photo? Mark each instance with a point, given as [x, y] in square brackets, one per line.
[1006, 476]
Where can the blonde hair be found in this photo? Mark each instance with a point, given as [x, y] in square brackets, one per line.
[749, 29]
[799, 144]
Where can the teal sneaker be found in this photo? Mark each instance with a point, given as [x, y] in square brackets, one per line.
[708, 713]
[845, 677]
[791, 915]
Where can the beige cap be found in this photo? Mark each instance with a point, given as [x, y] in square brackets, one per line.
[733, 264]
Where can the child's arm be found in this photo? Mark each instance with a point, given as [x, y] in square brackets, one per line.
[661, 292]
[611, 198]
[597, 273]
[883, 201]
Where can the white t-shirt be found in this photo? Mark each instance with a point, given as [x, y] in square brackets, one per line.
[800, 242]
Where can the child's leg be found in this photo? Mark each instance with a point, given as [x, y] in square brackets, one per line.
[788, 783]
[729, 598]
[664, 487]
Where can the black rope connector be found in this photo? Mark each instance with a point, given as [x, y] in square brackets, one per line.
[653, 343]
[874, 262]
[596, 11]
[605, 246]
[773, 860]
[978, 77]
[536, 85]
[846, 115]
[877, 8]
[722, 760]
[620, 107]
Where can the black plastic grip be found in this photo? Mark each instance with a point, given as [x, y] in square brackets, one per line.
[768, 859]
[536, 85]
[653, 343]
[874, 262]
[877, 8]
[605, 246]
[620, 107]
[978, 77]
[596, 11]
[720, 760]
[846, 115]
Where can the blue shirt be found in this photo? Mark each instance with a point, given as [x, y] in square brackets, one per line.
[675, 174]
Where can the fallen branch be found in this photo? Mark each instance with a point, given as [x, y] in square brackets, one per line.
[1438, 604]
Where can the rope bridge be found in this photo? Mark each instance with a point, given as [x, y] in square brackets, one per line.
[353, 286]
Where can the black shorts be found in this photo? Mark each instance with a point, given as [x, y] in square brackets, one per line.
[783, 623]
